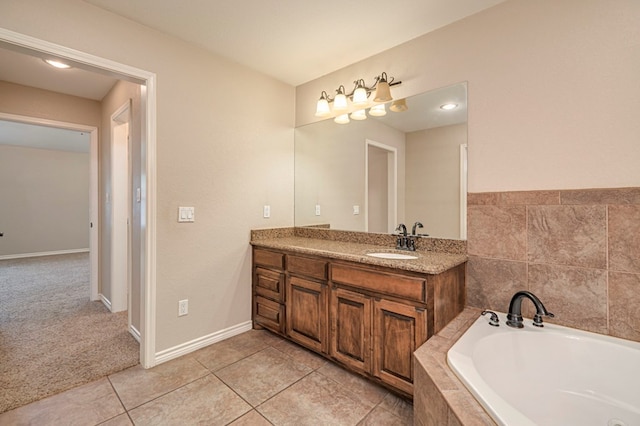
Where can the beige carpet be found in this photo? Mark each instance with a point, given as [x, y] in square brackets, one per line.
[52, 337]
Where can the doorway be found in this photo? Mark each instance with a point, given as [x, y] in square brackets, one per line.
[147, 226]
[381, 183]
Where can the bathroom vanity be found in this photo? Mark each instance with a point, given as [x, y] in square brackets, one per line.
[367, 314]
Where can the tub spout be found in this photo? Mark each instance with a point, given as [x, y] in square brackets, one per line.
[514, 317]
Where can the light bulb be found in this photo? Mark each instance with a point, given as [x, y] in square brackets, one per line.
[377, 110]
[359, 115]
[342, 119]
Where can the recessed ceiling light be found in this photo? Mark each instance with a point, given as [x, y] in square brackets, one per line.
[57, 64]
[449, 106]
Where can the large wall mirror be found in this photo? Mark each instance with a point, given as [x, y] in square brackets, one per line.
[404, 167]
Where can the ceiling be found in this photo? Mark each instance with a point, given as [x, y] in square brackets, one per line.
[292, 40]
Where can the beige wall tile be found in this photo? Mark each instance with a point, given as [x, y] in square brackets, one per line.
[491, 283]
[567, 235]
[497, 232]
[601, 196]
[624, 244]
[483, 198]
[624, 305]
[529, 197]
[577, 296]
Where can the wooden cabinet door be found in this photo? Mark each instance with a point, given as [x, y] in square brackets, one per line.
[307, 304]
[351, 329]
[398, 330]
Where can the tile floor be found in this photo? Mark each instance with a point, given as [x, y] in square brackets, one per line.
[255, 378]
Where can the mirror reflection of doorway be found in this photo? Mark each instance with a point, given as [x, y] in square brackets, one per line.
[381, 187]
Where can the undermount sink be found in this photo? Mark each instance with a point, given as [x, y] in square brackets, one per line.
[394, 256]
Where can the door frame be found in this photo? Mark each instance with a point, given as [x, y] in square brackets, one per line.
[392, 183]
[93, 185]
[120, 209]
[147, 80]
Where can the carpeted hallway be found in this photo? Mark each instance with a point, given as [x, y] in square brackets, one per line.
[52, 337]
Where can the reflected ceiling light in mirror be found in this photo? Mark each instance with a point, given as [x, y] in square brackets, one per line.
[57, 64]
[342, 119]
[359, 97]
[448, 106]
[378, 110]
[399, 106]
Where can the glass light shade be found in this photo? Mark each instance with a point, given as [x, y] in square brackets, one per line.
[340, 102]
[383, 92]
[448, 106]
[342, 119]
[57, 64]
[360, 96]
[359, 115]
[377, 110]
[322, 109]
[399, 106]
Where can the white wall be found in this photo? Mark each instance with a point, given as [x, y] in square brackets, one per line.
[433, 179]
[552, 85]
[45, 200]
[215, 151]
[339, 162]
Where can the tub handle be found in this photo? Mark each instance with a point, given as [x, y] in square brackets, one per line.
[493, 319]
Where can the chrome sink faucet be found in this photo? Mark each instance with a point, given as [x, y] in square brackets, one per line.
[401, 241]
[514, 317]
[416, 225]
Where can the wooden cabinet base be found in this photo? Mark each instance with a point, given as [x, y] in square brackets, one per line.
[368, 319]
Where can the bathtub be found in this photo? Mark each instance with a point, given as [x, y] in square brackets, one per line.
[549, 376]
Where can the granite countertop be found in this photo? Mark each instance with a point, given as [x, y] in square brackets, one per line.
[428, 262]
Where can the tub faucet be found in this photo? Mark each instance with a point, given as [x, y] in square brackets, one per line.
[514, 317]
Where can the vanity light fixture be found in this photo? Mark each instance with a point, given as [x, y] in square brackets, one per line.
[399, 106]
[449, 106]
[359, 97]
[57, 64]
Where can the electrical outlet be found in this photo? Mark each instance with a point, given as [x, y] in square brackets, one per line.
[317, 209]
[356, 209]
[266, 211]
[183, 307]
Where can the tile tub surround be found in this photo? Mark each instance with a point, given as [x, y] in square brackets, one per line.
[440, 398]
[578, 250]
[428, 262]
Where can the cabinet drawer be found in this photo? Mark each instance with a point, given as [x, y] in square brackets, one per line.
[401, 286]
[269, 314]
[268, 258]
[314, 268]
[269, 284]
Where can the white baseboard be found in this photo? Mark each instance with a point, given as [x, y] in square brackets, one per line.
[201, 342]
[106, 302]
[134, 332]
[43, 253]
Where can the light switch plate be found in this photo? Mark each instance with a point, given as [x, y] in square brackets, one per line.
[356, 209]
[317, 209]
[266, 212]
[186, 214]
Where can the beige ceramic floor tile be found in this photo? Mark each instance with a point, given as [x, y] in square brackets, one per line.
[207, 401]
[135, 386]
[398, 406]
[89, 404]
[381, 417]
[121, 420]
[226, 352]
[314, 400]
[361, 389]
[252, 418]
[300, 354]
[262, 375]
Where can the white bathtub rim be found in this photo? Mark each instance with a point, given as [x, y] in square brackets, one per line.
[500, 411]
